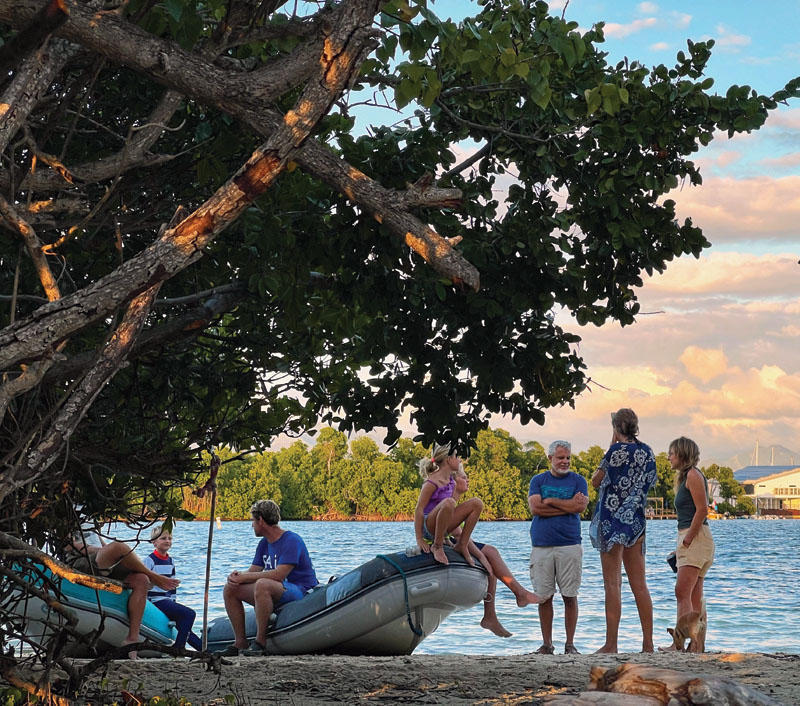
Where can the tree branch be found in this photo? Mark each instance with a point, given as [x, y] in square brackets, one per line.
[39, 459]
[28, 85]
[29, 38]
[243, 98]
[56, 567]
[179, 247]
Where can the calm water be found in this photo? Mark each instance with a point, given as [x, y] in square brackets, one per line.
[753, 589]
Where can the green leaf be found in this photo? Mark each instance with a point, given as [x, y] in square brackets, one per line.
[542, 97]
[508, 57]
[593, 100]
[406, 91]
[175, 9]
[471, 55]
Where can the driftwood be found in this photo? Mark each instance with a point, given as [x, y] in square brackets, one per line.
[673, 688]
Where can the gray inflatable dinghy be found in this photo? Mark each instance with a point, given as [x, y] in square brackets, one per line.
[386, 606]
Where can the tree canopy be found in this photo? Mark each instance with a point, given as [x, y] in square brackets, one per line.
[204, 248]
[334, 479]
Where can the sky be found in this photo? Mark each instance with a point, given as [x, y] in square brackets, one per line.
[721, 363]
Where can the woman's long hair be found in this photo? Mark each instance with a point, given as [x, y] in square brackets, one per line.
[688, 452]
[626, 423]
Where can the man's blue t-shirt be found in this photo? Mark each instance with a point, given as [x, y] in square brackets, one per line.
[289, 549]
[561, 530]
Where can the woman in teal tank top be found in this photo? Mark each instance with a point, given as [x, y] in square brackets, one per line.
[695, 551]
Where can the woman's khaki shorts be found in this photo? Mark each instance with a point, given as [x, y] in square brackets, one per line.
[700, 553]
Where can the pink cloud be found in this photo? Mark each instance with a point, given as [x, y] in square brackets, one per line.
[741, 274]
[730, 209]
[787, 161]
[703, 363]
[784, 117]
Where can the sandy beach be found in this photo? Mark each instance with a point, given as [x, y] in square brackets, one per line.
[424, 679]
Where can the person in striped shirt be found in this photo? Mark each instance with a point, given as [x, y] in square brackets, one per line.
[160, 562]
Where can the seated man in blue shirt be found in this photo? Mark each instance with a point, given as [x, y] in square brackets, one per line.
[281, 572]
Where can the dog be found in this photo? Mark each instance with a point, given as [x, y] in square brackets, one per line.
[691, 626]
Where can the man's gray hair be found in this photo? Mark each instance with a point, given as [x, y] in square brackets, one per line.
[559, 442]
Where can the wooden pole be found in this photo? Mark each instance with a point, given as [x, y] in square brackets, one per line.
[208, 568]
[212, 485]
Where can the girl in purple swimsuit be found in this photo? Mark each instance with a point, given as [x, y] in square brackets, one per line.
[437, 514]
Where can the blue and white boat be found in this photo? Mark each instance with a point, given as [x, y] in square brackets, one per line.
[89, 607]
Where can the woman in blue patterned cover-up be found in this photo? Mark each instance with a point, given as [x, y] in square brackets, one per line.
[626, 473]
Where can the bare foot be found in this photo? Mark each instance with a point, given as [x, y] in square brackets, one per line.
[439, 555]
[607, 650]
[648, 647]
[132, 654]
[495, 626]
[670, 648]
[527, 598]
[464, 551]
[164, 582]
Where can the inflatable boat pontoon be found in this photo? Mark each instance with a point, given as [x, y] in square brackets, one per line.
[386, 606]
[88, 606]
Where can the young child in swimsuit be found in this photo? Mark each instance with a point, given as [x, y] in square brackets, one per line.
[437, 514]
[490, 558]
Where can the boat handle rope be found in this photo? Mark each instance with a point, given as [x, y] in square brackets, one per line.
[416, 630]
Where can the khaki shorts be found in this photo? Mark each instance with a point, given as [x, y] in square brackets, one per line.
[551, 565]
[88, 565]
[700, 553]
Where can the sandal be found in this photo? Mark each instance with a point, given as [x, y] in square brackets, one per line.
[545, 650]
[256, 649]
[570, 649]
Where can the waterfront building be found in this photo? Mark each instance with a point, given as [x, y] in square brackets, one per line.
[774, 489]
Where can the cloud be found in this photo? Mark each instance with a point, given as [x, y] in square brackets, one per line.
[729, 41]
[697, 369]
[647, 8]
[659, 46]
[680, 20]
[761, 60]
[731, 274]
[731, 210]
[703, 363]
[728, 157]
[784, 118]
[744, 405]
[786, 161]
[614, 29]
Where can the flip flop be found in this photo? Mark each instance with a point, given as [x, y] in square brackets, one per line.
[570, 649]
[256, 649]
